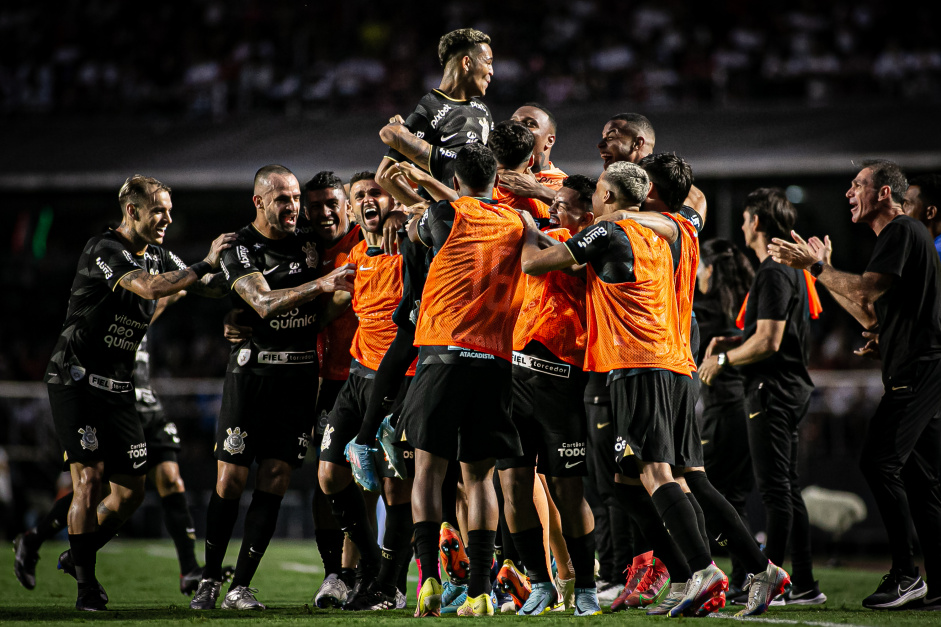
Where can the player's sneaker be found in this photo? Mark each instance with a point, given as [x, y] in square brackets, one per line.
[896, 590]
[394, 455]
[89, 599]
[635, 573]
[429, 598]
[653, 587]
[703, 585]
[372, 598]
[363, 464]
[190, 581]
[333, 592]
[674, 595]
[452, 553]
[452, 597]
[763, 588]
[566, 590]
[206, 595]
[242, 598]
[810, 596]
[476, 606]
[67, 565]
[586, 602]
[400, 600]
[24, 561]
[511, 581]
[542, 598]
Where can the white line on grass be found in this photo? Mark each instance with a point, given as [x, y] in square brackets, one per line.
[297, 567]
[782, 621]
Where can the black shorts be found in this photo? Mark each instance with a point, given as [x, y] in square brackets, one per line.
[264, 417]
[644, 415]
[96, 425]
[458, 406]
[163, 440]
[549, 414]
[687, 435]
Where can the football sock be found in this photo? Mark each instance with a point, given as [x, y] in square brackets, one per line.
[82, 547]
[107, 529]
[700, 519]
[530, 547]
[426, 548]
[680, 519]
[349, 508]
[179, 524]
[220, 520]
[260, 522]
[405, 559]
[330, 545]
[387, 383]
[480, 554]
[55, 520]
[723, 518]
[582, 552]
[396, 539]
[641, 509]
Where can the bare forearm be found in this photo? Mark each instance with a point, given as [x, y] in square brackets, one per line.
[754, 349]
[211, 286]
[397, 186]
[155, 286]
[852, 292]
[416, 149]
[268, 303]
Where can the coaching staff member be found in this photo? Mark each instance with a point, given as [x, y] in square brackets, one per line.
[899, 295]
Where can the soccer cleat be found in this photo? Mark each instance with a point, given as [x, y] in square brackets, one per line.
[542, 599]
[429, 598]
[511, 581]
[896, 590]
[371, 599]
[24, 561]
[566, 590]
[811, 596]
[452, 597]
[89, 599]
[332, 592]
[190, 581]
[703, 585]
[763, 588]
[206, 595]
[653, 587]
[608, 591]
[503, 601]
[673, 596]
[400, 600]
[394, 455]
[586, 602]
[714, 604]
[476, 606]
[635, 574]
[67, 565]
[452, 553]
[363, 464]
[242, 598]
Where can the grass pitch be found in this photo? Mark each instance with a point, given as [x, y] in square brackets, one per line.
[142, 580]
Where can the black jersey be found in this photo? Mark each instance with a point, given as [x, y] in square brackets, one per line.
[146, 400]
[448, 125]
[105, 322]
[289, 340]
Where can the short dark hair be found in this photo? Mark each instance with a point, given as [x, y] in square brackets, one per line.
[365, 175]
[536, 105]
[888, 173]
[929, 188]
[584, 186]
[323, 180]
[476, 166]
[512, 143]
[776, 214]
[672, 176]
[138, 189]
[266, 171]
[459, 43]
[637, 122]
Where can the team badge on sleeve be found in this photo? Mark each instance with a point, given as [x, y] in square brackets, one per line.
[235, 443]
[89, 438]
[244, 355]
[327, 438]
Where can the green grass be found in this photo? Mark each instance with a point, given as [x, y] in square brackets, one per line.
[141, 578]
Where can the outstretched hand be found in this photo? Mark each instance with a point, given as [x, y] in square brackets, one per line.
[218, 245]
[340, 279]
[797, 254]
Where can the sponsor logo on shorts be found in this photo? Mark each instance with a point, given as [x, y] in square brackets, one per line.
[470, 354]
[138, 451]
[541, 365]
[244, 355]
[285, 357]
[76, 372]
[109, 385]
[572, 449]
[622, 447]
[235, 443]
[327, 437]
[171, 430]
[89, 439]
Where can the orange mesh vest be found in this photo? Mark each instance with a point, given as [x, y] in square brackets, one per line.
[553, 312]
[469, 298]
[636, 325]
[333, 343]
[536, 208]
[551, 177]
[684, 278]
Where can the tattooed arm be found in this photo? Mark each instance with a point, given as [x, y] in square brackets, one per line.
[155, 286]
[267, 303]
[211, 286]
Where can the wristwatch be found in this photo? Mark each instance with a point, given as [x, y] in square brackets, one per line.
[722, 359]
[816, 269]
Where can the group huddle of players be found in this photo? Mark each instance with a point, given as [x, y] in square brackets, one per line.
[485, 298]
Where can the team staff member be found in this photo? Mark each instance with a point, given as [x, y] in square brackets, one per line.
[264, 414]
[89, 376]
[900, 296]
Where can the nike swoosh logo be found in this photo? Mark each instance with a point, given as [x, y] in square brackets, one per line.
[704, 442]
[447, 137]
[750, 416]
[366, 268]
[327, 262]
[269, 270]
[801, 595]
[900, 387]
[301, 455]
[139, 464]
[573, 464]
[911, 587]
[602, 425]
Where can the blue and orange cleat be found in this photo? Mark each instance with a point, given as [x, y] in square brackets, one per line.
[514, 583]
[452, 554]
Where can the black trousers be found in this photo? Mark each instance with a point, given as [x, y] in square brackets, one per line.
[901, 461]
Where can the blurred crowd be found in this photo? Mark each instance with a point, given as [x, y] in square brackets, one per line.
[214, 58]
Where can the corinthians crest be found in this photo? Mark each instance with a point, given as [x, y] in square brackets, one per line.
[327, 439]
[89, 439]
[235, 443]
[312, 257]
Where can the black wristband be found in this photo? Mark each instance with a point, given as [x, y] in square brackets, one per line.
[816, 269]
[201, 269]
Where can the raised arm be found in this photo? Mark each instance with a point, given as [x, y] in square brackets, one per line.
[391, 180]
[267, 303]
[435, 188]
[155, 286]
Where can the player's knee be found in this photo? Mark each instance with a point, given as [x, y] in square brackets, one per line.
[274, 476]
[167, 479]
[230, 486]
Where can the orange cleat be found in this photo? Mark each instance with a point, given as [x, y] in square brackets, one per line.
[511, 581]
[452, 554]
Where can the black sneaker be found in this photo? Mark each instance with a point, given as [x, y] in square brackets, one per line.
[810, 596]
[67, 565]
[190, 581]
[896, 590]
[364, 579]
[90, 599]
[373, 598]
[25, 557]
